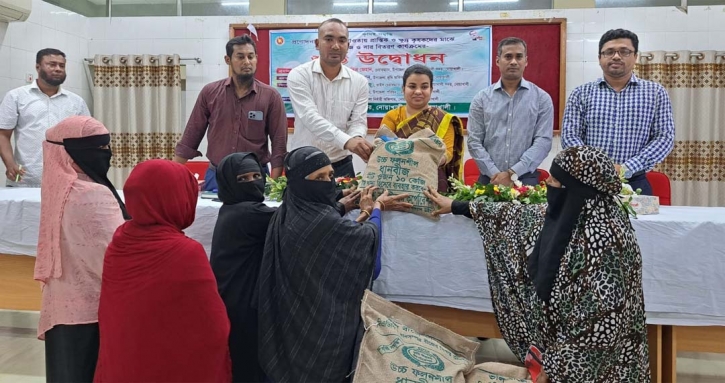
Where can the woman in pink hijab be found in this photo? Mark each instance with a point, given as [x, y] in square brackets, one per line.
[79, 212]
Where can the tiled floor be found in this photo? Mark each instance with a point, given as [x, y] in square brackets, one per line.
[22, 358]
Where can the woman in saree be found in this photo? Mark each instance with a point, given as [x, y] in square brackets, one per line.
[416, 114]
[566, 278]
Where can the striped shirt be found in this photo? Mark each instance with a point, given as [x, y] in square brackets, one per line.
[634, 126]
[327, 113]
[31, 112]
[510, 132]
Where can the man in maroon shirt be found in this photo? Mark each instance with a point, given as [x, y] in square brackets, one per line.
[240, 113]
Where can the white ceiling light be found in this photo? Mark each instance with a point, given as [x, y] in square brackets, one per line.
[234, 3]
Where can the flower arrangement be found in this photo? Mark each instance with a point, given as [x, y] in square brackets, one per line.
[518, 193]
[348, 182]
[274, 189]
[627, 194]
[524, 194]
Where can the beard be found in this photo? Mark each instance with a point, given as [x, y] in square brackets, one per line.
[50, 80]
[244, 78]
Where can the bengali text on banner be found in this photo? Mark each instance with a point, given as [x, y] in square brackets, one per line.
[460, 58]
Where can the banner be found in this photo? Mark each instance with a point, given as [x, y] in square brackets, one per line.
[460, 58]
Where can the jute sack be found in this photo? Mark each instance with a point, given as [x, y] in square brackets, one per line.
[406, 165]
[492, 372]
[401, 347]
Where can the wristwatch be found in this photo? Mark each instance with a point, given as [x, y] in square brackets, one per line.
[627, 172]
[514, 176]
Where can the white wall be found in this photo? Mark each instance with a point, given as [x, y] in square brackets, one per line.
[660, 28]
[47, 27]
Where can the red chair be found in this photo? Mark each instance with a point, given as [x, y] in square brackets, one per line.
[660, 187]
[543, 175]
[470, 172]
[198, 167]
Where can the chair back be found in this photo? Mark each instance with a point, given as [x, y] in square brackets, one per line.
[543, 175]
[198, 167]
[470, 172]
[660, 187]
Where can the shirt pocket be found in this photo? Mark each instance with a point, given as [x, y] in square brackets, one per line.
[67, 110]
[256, 131]
[339, 112]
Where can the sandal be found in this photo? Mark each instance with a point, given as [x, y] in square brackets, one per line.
[533, 362]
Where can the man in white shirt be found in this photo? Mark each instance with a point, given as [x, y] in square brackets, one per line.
[31, 110]
[331, 101]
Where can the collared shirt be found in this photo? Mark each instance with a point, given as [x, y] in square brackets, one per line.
[327, 113]
[634, 126]
[31, 112]
[510, 132]
[236, 124]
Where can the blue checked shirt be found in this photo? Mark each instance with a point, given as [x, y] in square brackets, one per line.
[634, 127]
[510, 132]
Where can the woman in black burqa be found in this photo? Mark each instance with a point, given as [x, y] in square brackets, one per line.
[315, 269]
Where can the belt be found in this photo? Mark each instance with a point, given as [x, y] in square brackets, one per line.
[639, 174]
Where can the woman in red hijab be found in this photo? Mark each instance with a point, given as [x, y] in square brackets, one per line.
[161, 318]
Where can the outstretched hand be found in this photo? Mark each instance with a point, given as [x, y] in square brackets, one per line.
[443, 202]
[350, 199]
[393, 203]
[366, 199]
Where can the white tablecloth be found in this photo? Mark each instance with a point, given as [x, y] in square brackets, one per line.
[442, 263]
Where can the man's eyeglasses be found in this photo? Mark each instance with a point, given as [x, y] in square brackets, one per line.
[609, 53]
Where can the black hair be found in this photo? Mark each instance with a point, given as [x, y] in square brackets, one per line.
[332, 20]
[47, 52]
[240, 40]
[614, 34]
[418, 69]
[511, 41]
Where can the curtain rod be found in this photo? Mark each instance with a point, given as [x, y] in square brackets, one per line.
[675, 56]
[197, 59]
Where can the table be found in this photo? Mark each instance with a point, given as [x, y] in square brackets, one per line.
[20, 217]
[442, 263]
[438, 269]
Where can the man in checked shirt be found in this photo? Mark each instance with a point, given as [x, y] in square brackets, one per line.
[627, 117]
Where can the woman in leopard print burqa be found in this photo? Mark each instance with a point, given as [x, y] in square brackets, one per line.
[566, 277]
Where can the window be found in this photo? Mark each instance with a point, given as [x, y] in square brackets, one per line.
[316, 7]
[88, 8]
[126, 8]
[214, 7]
[414, 6]
[505, 5]
[121, 8]
[653, 3]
